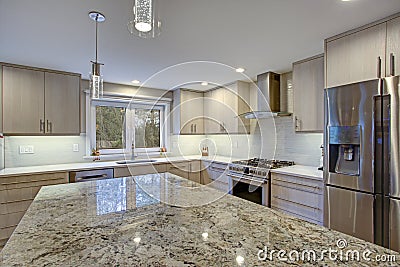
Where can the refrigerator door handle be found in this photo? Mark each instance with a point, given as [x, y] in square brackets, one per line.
[378, 145]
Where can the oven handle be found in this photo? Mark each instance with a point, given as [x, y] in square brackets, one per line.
[232, 176]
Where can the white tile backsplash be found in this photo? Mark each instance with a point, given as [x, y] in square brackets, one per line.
[273, 138]
[47, 150]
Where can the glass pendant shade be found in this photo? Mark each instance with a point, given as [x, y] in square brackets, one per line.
[145, 23]
[96, 81]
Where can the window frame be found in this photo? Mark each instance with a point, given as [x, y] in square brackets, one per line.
[130, 106]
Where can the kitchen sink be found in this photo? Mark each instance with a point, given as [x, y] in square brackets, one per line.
[136, 161]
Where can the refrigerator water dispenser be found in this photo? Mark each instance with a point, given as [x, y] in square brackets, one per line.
[344, 149]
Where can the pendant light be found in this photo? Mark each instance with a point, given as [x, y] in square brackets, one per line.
[96, 80]
[145, 23]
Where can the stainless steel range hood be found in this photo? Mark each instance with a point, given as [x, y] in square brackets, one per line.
[268, 97]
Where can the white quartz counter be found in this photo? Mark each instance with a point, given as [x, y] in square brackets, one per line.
[301, 170]
[101, 165]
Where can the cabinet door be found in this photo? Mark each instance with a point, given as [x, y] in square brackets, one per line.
[219, 109]
[393, 47]
[192, 112]
[23, 101]
[230, 108]
[211, 109]
[354, 58]
[62, 107]
[308, 91]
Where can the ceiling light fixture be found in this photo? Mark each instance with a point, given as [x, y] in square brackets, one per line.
[135, 81]
[145, 23]
[204, 83]
[240, 70]
[96, 80]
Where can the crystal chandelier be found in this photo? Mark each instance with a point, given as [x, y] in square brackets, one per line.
[96, 80]
[145, 23]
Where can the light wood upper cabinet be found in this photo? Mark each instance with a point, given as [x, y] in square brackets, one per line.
[393, 47]
[222, 107]
[308, 92]
[23, 101]
[213, 100]
[40, 102]
[62, 107]
[354, 57]
[188, 112]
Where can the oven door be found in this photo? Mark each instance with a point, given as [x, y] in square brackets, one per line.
[249, 188]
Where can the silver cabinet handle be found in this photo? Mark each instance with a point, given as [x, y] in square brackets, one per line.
[379, 67]
[195, 128]
[297, 203]
[391, 64]
[41, 126]
[49, 126]
[191, 128]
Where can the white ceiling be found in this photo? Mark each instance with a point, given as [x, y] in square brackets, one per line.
[259, 35]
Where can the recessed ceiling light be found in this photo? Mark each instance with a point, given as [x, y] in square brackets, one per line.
[135, 82]
[204, 83]
[240, 70]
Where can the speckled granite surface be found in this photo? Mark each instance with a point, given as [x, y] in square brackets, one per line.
[164, 220]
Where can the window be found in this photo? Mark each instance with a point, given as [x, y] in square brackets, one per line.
[109, 127]
[118, 126]
[147, 128]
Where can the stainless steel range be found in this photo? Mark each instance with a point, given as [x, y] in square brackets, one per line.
[250, 179]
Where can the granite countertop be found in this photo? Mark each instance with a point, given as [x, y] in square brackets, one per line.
[102, 164]
[301, 170]
[165, 220]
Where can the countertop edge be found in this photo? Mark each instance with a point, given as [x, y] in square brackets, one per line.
[78, 166]
[301, 171]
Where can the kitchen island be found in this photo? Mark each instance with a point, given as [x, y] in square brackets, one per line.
[165, 220]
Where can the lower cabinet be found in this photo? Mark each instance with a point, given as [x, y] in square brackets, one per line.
[214, 175]
[125, 171]
[298, 196]
[16, 195]
[187, 169]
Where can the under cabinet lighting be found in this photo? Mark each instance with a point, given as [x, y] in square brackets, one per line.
[135, 81]
[204, 83]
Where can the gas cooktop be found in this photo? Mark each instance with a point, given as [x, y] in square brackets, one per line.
[264, 163]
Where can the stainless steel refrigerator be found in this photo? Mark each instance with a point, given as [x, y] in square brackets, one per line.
[361, 164]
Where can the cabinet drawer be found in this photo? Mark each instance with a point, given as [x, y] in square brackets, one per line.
[20, 180]
[5, 233]
[306, 204]
[299, 183]
[12, 219]
[319, 222]
[12, 207]
[138, 170]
